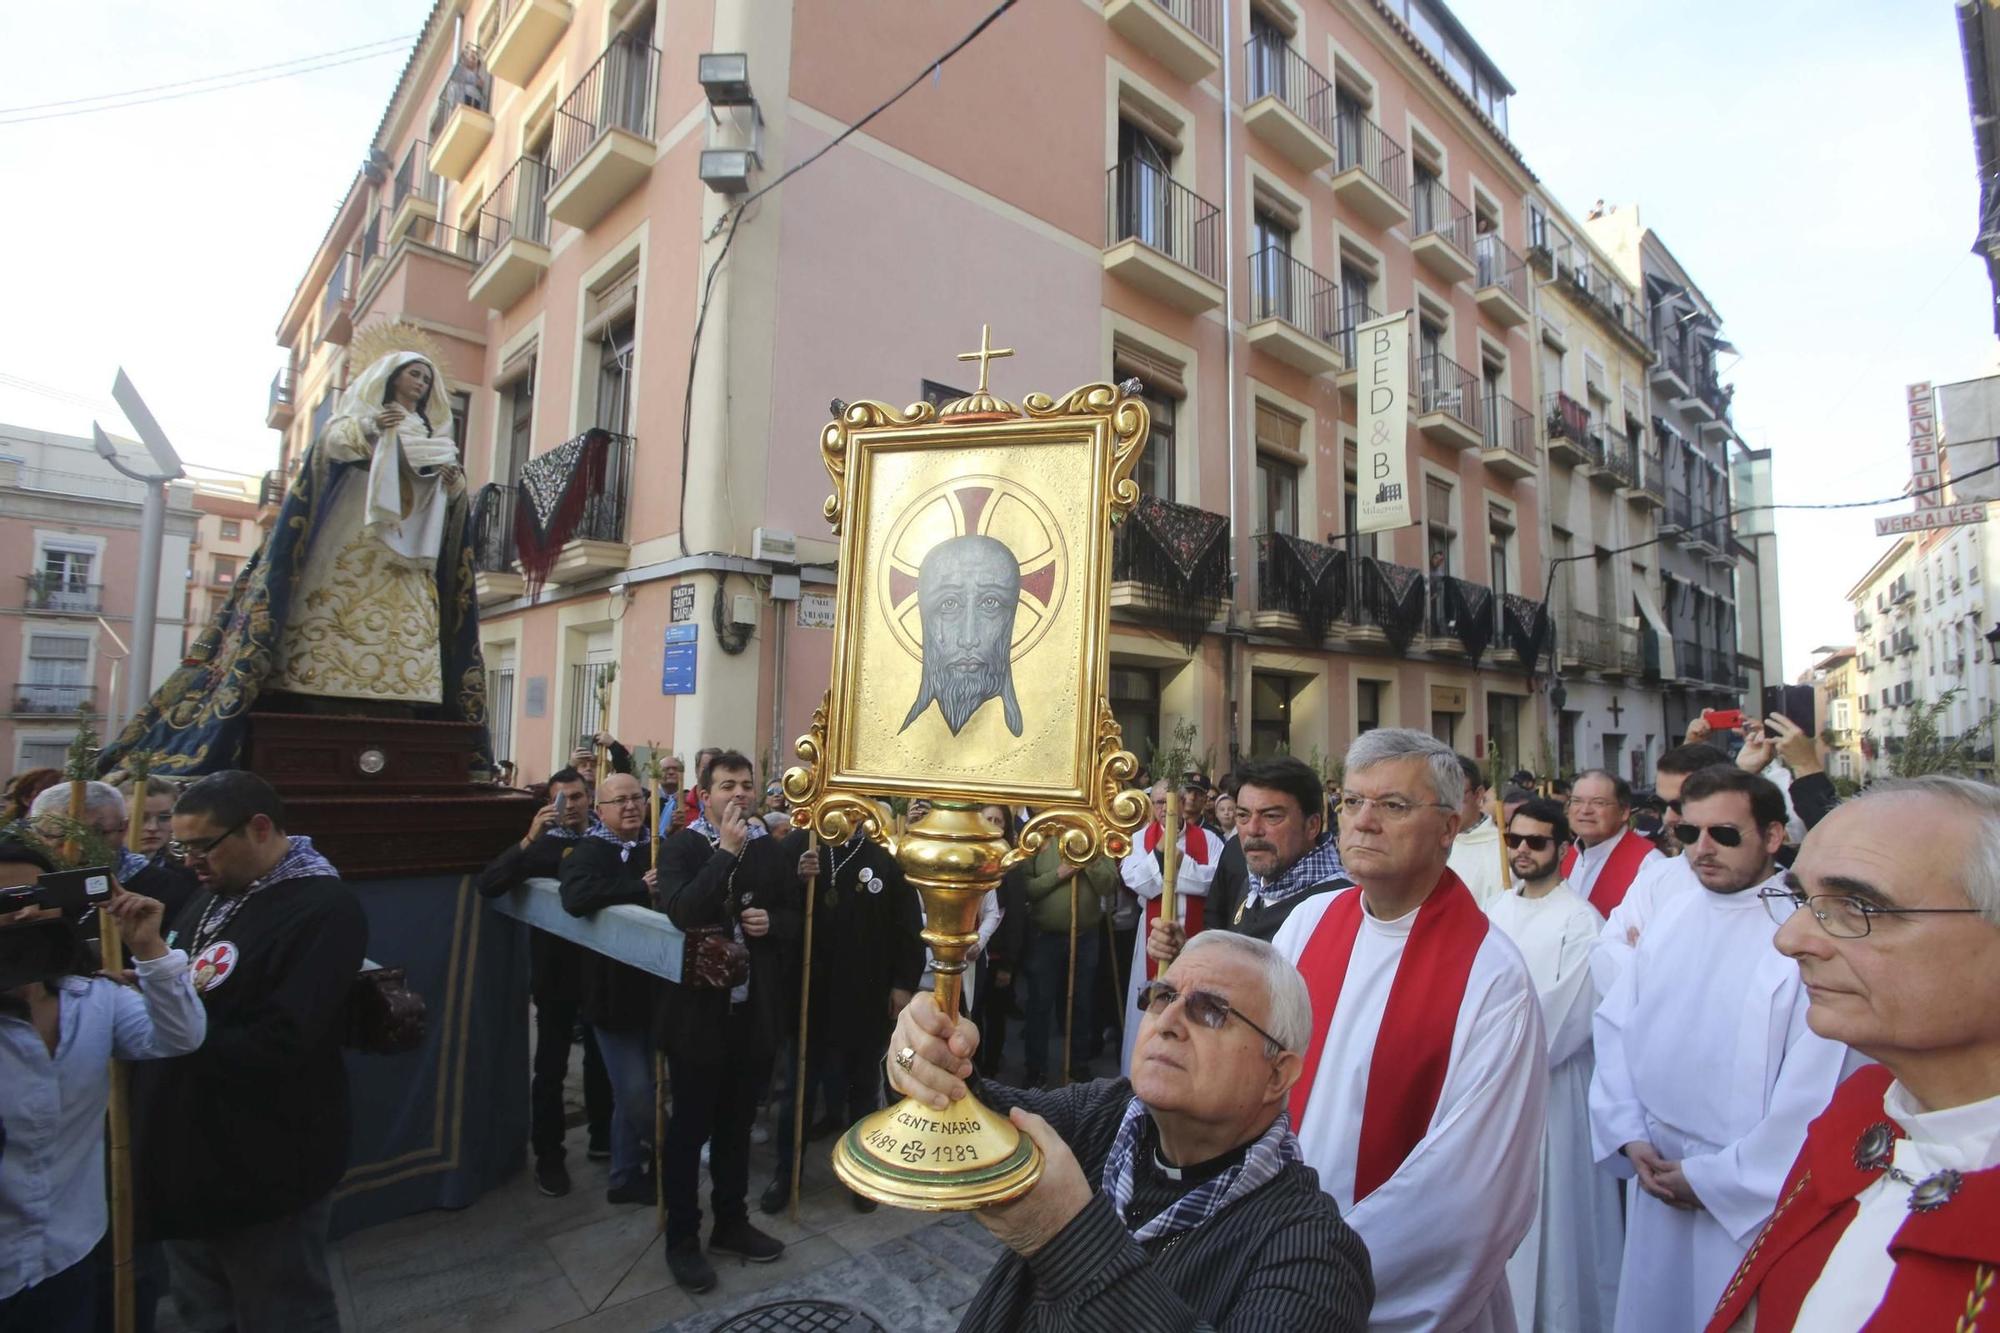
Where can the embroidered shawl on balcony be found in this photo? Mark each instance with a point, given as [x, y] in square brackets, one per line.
[197, 720]
[1305, 578]
[1528, 628]
[555, 488]
[1468, 608]
[1183, 552]
[1393, 596]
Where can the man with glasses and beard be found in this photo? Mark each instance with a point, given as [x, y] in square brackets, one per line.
[1890, 1218]
[1706, 1070]
[1565, 1274]
[1607, 855]
[241, 1143]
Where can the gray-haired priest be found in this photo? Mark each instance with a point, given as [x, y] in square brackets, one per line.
[1176, 1199]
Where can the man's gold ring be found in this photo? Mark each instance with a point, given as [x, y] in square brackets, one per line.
[905, 1058]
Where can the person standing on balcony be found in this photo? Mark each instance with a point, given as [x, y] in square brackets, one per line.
[361, 599]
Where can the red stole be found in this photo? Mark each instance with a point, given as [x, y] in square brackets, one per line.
[1619, 868]
[1413, 1047]
[1194, 845]
[1947, 1260]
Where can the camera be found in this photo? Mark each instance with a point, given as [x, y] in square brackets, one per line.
[71, 892]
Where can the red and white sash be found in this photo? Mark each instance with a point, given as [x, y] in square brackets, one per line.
[1413, 1046]
[1619, 868]
[1192, 906]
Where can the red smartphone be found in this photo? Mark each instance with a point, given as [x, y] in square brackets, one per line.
[1722, 719]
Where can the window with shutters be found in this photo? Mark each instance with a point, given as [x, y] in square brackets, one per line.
[1361, 547]
[1163, 389]
[57, 674]
[518, 397]
[1277, 499]
[610, 334]
[1440, 526]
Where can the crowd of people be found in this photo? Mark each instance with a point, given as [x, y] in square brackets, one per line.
[1407, 1053]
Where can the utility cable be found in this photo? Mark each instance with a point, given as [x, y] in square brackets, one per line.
[735, 218]
[173, 92]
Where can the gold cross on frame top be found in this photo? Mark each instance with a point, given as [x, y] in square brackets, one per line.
[986, 354]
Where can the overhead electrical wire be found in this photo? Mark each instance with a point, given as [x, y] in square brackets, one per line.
[185, 88]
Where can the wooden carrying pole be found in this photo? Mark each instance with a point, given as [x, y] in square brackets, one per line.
[118, 1121]
[1500, 836]
[799, 1080]
[1170, 862]
[1069, 997]
[659, 1061]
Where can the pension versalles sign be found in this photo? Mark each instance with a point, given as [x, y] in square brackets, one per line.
[1925, 476]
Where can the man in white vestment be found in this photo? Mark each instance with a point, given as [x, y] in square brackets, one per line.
[1142, 871]
[1421, 1099]
[1706, 1071]
[1659, 878]
[1564, 1276]
[1891, 1216]
[1475, 853]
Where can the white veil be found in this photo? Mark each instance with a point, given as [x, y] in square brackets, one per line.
[413, 453]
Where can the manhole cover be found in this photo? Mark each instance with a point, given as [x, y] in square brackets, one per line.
[802, 1316]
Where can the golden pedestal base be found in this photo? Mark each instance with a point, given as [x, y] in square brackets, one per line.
[963, 1157]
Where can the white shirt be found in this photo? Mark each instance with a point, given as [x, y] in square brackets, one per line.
[1857, 1273]
[1475, 858]
[1439, 1244]
[1659, 881]
[1590, 862]
[1554, 933]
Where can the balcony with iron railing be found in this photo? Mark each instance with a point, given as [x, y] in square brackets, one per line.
[279, 411]
[1294, 313]
[336, 303]
[413, 193]
[1441, 236]
[1509, 437]
[461, 122]
[270, 492]
[603, 145]
[1615, 468]
[61, 594]
[1668, 335]
[495, 573]
[1603, 296]
[1161, 237]
[1370, 170]
[368, 252]
[511, 246]
[1502, 292]
[1287, 102]
[524, 32]
[34, 698]
[1171, 563]
[1587, 641]
[1352, 317]
[1183, 35]
[1448, 402]
[1565, 427]
[598, 543]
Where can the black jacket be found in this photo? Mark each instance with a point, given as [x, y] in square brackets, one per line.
[169, 883]
[702, 885]
[612, 995]
[1277, 1258]
[867, 941]
[254, 1125]
[1231, 886]
[1009, 944]
[1813, 798]
[555, 965]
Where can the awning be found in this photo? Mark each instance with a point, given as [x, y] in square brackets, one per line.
[1650, 611]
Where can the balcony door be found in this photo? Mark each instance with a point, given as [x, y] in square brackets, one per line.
[1145, 189]
[614, 378]
[58, 674]
[1271, 258]
[1267, 57]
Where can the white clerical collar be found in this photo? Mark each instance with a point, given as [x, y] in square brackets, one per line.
[1602, 849]
[1165, 1168]
[1966, 1138]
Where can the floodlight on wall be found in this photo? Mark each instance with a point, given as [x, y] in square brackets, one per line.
[725, 77]
[727, 170]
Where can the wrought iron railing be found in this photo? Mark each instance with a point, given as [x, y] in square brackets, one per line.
[493, 529]
[1203, 18]
[40, 697]
[517, 208]
[1500, 267]
[1590, 639]
[1680, 509]
[339, 288]
[1352, 317]
[617, 92]
[1283, 288]
[1510, 426]
[1360, 142]
[56, 592]
[469, 85]
[603, 515]
[1688, 659]
[1144, 203]
[283, 385]
[1436, 211]
[271, 490]
[414, 177]
[1564, 418]
[1653, 475]
[371, 240]
[1445, 386]
[1618, 457]
[1276, 70]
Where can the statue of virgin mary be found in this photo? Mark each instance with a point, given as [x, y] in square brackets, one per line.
[361, 598]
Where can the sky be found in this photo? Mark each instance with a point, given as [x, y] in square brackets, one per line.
[1810, 165]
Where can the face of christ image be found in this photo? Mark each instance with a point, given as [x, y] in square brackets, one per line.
[968, 590]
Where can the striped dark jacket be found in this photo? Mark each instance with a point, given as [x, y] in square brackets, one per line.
[1278, 1258]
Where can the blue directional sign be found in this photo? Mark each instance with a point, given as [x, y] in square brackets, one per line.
[677, 659]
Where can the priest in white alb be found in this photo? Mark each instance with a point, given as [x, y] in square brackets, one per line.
[1890, 1219]
[1476, 853]
[1421, 1099]
[1659, 879]
[1142, 871]
[1608, 854]
[1707, 1073]
[1564, 1277]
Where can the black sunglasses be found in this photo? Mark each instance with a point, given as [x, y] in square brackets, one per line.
[1674, 805]
[1534, 842]
[1725, 835]
[1204, 1007]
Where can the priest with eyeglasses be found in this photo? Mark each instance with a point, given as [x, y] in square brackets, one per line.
[1890, 1217]
[1707, 1072]
[1176, 1199]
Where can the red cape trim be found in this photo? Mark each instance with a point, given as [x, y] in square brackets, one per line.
[1194, 912]
[1413, 1046]
[1619, 869]
[1194, 842]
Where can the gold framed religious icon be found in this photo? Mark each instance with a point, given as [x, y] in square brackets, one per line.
[971, 665]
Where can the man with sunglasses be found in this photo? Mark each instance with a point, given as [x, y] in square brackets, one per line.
[1177, 1198]
[241, 1143]
[1890, 1218]
[1608, 855]
[1566, 1270]
[1420, 1102]
[1706, 1070]
[1661, 877]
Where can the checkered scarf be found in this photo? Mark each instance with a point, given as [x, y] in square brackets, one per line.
[1317, 866]
[753, 829]
[299, 861]
[1269, 1155]
[130, 863]
[603, 834]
